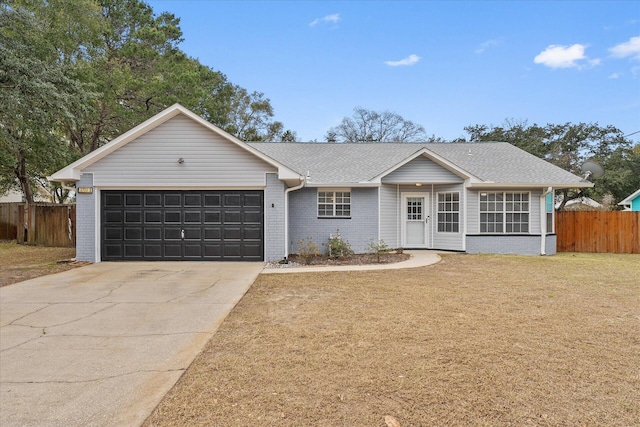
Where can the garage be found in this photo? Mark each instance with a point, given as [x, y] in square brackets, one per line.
[149, 225]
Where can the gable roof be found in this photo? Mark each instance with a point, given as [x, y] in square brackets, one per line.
[72, 172]
[631, 198]
[485, 164]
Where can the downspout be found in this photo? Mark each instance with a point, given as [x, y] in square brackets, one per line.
[286, 213]
[543, 220]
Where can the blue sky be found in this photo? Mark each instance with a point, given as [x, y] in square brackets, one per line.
[441, 64]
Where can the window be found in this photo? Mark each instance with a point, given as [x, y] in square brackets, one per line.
[504, 212]
[334, 204]
[549, 208]
[449, 212]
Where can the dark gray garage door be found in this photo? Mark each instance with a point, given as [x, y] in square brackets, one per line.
[182, 225]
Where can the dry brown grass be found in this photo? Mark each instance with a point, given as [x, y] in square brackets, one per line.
[21, 262]
[471, 341]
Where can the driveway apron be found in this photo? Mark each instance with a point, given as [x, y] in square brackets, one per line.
[102, 344]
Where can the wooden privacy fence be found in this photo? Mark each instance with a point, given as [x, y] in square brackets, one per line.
[598, 231]
[43, 224]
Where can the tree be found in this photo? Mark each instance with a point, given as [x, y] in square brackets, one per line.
[568, 146]
[372, 126]
[40, 44]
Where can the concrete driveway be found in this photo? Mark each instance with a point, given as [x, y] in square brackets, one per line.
[102, 344]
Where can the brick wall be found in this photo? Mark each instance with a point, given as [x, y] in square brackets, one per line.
[86, 221]
[274, 218]
[492, 244]
[359, 230]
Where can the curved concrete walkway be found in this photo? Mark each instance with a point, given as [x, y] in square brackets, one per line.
[418, 259]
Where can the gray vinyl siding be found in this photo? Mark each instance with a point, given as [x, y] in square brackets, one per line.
[152, 160]
[447, 240]
[86, 221]
[274, 195]
[359, 230]
[423, 170]
[389, 215]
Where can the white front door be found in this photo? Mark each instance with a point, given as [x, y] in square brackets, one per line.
[415, 223]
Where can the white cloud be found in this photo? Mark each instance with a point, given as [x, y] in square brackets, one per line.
[332, 19]
[614, 76]
[409, 60]
[626, 49]
[556, 56]
[484, 46]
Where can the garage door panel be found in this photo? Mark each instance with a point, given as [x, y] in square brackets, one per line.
[113, 233]
[172, 217]
[133, 233]
[193, 234]
[132, 250]
[212, 200]
[153, 233]
[231, 217]
[133, 217]
[175, 225]
[192, 217]
[173, 199]
[213, 217]
[114, 217]
[112, 200]
[153, 217]
[132, 199]
[193, 251]
[252, 200]
[232, 200]
[172, 233]
[173, 250]
[153, 250]
[112, 250]
[153, 200]
[192, 199]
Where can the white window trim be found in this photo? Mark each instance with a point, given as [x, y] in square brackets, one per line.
[504, 213]
[437, 202]
[333, 190]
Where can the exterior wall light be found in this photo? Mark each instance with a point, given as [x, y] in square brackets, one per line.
[418, 184]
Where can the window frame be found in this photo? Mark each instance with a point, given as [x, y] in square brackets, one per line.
[443, 213]
[502, 218]
[337, 203]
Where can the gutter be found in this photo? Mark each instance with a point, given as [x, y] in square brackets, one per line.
[286, 212]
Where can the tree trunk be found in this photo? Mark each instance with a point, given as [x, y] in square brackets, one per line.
[23, 178]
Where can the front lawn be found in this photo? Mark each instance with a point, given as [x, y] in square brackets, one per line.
[474, 340]
[22, 262]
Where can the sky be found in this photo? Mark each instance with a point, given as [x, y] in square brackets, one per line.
[441, 64]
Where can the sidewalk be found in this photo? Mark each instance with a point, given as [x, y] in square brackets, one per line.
[418, 259]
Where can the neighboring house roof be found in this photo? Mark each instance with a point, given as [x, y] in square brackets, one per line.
[486, 164]
[585, 201]
[628, 200]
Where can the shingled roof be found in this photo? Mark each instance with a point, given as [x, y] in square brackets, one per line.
[484, 163]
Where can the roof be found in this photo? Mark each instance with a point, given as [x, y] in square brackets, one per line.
[631, 198]
[484, 164]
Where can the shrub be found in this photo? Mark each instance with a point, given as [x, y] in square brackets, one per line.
[308, 250]
[378, 248]
[338, 247]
